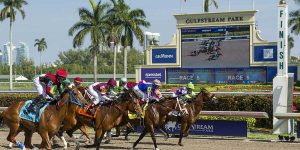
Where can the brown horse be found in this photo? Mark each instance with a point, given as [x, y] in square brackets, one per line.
[48, 126]
[108, 117]
[194, 107]
[71, 123]
[70, 120]
[156, 115]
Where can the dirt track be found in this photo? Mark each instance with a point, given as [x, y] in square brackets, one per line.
[194, 143]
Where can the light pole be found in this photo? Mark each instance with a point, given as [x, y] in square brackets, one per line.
[114, 47]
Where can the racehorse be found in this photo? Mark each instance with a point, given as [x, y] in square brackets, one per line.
[48, 125]
[70, 120]
[194, 107]
[156, 115]
[109, 117]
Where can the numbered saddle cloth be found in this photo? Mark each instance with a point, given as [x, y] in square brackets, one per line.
[31, 116]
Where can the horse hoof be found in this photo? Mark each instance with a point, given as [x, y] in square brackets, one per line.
[10, 145]
[156, 148]
[77, 148]
[126, 138]
[107, 141]
[180, 144]
[68, 145]
[166, 138]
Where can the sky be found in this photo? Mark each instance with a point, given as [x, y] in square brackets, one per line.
[52, 19]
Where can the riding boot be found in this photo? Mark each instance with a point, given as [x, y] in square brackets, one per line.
[30, 108]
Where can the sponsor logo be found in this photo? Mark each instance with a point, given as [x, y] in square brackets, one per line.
[153, 74]
[203, 128]
[164, 56]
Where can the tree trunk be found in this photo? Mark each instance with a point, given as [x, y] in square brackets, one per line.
[95, 65]
[41, 62]
[115, 60]
[10, 58]
[125, 61]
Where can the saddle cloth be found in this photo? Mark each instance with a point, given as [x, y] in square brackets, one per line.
[31, 116]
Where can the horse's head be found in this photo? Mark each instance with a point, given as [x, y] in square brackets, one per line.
[70, 95]
[87, 96]
[133, 102]
[206, 96]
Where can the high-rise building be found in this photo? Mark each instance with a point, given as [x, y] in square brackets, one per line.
[22, 51]
[1, 56]
[6, 53]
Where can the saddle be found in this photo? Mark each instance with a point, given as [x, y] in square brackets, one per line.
[33, 116]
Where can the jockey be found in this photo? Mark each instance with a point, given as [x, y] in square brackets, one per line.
[146, 90]
[190, 89]
[155, 93]
[54, 89]
[101, 92]
[182, 93]
[43, 85]
[77, 81]
[121, 85]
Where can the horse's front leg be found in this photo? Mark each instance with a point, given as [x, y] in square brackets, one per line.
[142, 135]
[98, 137]
[182, 129]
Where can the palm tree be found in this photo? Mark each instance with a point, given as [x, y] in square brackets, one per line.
[129, 24]
[207, 4]
[95, 24]
[290, 45]
[41, 45]
[9, 11]
[153, 41]
[294, 21]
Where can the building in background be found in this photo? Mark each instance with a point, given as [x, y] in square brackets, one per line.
[1, 56]
[22, 51]
[6, 53]
[19, 52]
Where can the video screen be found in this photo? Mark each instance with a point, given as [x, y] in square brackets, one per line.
[215, 47]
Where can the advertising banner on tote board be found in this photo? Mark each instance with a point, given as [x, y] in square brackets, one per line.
[209, 127]
[150, 74]
[164, 55]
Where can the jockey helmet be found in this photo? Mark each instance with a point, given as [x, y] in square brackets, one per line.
[62, 73]
[78, 80]
[112, 82]
[191, 85]
[156, 82]
[123, 79]
[142, 81]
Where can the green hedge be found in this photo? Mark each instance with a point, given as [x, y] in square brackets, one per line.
[245, 103]
[8, 99]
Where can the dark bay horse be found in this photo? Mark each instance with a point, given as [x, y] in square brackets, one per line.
[49, 124]
[156, 115]
[194, 107]
[110, 117]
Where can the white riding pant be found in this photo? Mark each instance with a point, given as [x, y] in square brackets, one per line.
[99, 98]
[140, 93]
[39, 87]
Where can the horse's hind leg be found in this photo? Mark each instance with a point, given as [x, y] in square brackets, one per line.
[84, 132]
[165, 133]
[10, 145]
[60, 135]
[182, 129]
[14, 130]
[45, 140]
[28, 136]
[140, 138]
[153, 139]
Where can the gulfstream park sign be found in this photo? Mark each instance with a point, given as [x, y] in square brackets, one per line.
[211, 20]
